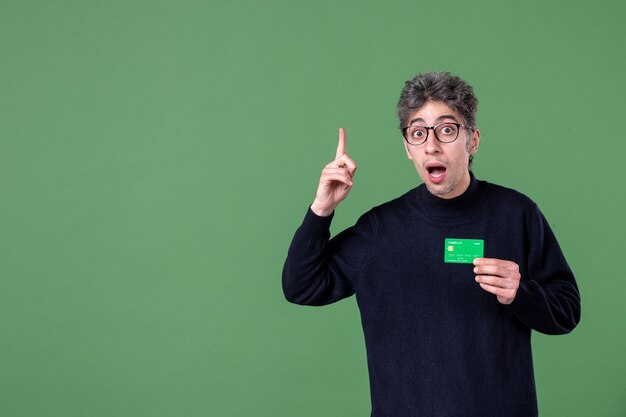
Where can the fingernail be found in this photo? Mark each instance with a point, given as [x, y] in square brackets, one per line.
[475, 270]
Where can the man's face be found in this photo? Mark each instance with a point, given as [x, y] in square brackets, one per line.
[442, 166]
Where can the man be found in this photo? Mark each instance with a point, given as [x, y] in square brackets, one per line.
[450, 278]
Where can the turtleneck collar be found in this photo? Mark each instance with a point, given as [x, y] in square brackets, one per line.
[459, 207]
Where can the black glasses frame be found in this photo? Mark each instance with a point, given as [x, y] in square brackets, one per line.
[434, 129]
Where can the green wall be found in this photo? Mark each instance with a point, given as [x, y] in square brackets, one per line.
[157, 156]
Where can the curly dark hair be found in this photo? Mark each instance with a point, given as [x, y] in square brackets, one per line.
[438, 86]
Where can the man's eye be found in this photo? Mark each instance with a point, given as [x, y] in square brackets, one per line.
[448, 130]
[418, 133]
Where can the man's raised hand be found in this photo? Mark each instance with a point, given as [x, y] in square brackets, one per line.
[335, 181]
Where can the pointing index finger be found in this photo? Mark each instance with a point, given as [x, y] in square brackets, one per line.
[341, 147]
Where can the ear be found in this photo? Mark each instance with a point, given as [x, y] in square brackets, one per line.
[474, 142]
[406, 148]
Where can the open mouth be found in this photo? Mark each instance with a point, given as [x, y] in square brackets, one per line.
[436, 170]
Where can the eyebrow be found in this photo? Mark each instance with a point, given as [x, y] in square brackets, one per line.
[438, 119]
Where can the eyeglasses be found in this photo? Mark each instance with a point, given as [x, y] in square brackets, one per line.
[444, 132]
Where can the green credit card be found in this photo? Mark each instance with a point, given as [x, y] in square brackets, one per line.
[463, 251]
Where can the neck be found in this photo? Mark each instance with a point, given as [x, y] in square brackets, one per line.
[460, 188]
[457, 208]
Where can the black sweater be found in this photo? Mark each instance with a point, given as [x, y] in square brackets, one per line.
[437, 344]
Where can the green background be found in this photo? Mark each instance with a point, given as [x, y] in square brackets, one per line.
[157, 156]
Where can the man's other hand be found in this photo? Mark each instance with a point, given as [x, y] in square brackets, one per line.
[335, 181]
[498, 277]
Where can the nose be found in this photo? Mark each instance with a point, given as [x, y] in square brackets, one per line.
[432, 145]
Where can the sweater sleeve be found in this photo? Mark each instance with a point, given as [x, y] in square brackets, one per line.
[319, 270]
[547, 299]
